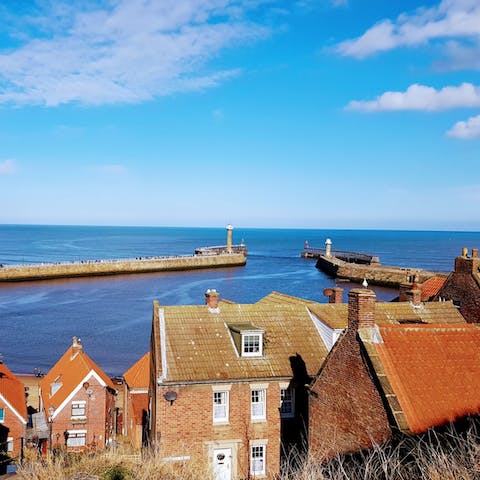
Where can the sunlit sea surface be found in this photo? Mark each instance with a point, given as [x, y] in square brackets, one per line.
[112, 315]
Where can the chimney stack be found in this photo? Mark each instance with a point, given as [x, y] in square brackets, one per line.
[410, 293]
[361, 308]
[211, 299]
[335, 295]
[467, 265]
[229, 238]
[77, 344]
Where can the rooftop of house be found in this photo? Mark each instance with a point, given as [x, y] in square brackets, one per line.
[67, 374]
[431, 373]
[335, 314]
[13, 391]
[200, 344]
[138, 375]
[432, 286]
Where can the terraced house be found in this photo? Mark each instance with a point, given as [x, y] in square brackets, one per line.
[230, 383]
[78, 400]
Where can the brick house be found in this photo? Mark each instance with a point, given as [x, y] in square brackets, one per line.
[13, 412]
[228, 383]
[137, 380]
[78, 400]
[462, 286]
[381, 378]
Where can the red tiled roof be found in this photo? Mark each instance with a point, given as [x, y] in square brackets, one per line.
[139, 405]
[13, 391]
[431, 287]
[138, 375]
[70, 370]
[434, 371]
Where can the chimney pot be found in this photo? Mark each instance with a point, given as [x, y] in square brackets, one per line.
[76, 343]
[474, 252]
[211, 299]
[464, 252]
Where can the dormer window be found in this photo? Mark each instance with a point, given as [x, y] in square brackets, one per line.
[248, 339]
[252, 345]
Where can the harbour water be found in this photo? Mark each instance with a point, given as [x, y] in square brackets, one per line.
[112, 315]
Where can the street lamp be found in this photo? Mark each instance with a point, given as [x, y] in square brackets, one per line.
[51, 411]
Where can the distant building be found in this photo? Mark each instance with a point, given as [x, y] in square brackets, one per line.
[462, 286]
[137, 380]
[381, 378]
[78, 401]
[13, 413]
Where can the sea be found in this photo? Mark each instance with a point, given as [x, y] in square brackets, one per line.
[112, 315]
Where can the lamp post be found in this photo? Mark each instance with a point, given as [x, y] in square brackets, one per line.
[51, 411]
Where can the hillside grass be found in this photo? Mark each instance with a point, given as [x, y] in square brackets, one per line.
[433, 456]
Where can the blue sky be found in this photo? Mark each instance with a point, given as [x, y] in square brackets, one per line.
[309, 113]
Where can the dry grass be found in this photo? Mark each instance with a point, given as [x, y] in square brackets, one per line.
[433, 456]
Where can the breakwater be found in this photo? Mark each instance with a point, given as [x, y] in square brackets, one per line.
[375, 274]
[47, 271]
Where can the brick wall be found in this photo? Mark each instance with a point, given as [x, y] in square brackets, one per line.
[186, 427]
[100, 414]
[346, 413]
[11, 427]
[463, 288]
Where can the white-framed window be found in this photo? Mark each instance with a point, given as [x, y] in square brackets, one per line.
[2, 415]
[9, 444]
[220, 406]
[258, 404]
[79, 409]
[257, 460]
[287, 402]
[77, 438]
[252, 345]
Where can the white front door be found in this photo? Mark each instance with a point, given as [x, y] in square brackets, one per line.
[222, 464]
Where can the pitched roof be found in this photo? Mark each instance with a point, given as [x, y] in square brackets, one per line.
[336, 315]
[13, 391]
[199, 344]
[433, 372]
[138, 375]
[70, 370]
[283, 298]
[431, 287]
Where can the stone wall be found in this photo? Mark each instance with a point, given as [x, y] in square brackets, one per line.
[117, 267]
[374, 274]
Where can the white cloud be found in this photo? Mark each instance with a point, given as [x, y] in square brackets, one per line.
[421, 97]
[125, 51]
[340, 3]
[7, 167]
[466, 130]
[448, 20]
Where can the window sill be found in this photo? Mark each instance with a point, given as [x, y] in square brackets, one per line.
[220, 423]
[259, 420]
